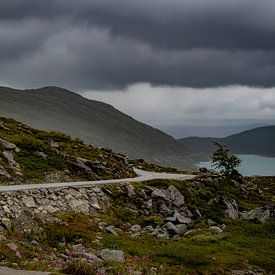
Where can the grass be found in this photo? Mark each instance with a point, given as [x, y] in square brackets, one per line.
[243, 244]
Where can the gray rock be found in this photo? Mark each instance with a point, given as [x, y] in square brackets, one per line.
[92, 257]
[3, 172]
[6, 222]
[171, 229]
[164, 210]
[232, 209]
[29, 202]
[109, 255]
[111, 229]
[7, 145]
[182, 228]
[94, 203]
[8, 155]
[50, 209]
[174, 194]
[130, 190]
[215, 229]
[211, 222]
[80, 206]
[136, 228]
[158, 194]
[182, 219]
[260, 214]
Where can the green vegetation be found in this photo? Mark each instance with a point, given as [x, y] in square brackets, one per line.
[52, 156]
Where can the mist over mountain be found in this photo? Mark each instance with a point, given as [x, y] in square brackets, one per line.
[53, 108]
[258, 141]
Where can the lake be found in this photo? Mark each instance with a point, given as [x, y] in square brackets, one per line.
[251, 165]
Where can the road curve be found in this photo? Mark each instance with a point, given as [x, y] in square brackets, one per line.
[142, 176]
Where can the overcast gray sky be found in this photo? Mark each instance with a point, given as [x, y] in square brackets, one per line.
[113, 46]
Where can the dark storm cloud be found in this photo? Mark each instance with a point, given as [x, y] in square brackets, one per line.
[111, 44]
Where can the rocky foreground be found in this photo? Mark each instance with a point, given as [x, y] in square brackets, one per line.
[156, 227]
[210, 224]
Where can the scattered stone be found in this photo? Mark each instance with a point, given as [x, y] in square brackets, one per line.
[232, 209]
[3, 172]
[111, 229]
[260, 214]
[92, 257]
[136, 228]
[215, 229]
[174, 194]
[182, 228]
[109, 255]
[130, 190]
[6, 144]
[28, 201]
[158, 194]
[8, 155]
[50, 209]
[80, 206]
[171, 229]
[211, 222]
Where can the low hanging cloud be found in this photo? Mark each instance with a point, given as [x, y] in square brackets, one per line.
[178, 106]
[113, 44]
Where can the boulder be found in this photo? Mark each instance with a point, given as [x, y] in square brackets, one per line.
[182, 228]
[232, 209]
[136, 228]
[7, 145]
[158, 194]
[215, 229]
[171, 229]
[3, 172]
[260, 214]
[109, 255]
[111, 229]
[80, 206]
[176, 197]
[8, 155]
[28, 201]
[130, 190]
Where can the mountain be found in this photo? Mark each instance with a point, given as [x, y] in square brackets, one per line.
[258, 141]
[53, 108]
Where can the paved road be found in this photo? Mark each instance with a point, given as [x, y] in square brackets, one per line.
[142, 176]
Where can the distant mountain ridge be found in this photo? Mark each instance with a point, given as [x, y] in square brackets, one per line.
[54, 108]
[258, 141]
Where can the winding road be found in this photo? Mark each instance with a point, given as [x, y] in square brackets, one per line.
[141, 176]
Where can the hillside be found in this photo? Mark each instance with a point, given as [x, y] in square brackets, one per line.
[53, 108]
[258, 141]
[30, 155]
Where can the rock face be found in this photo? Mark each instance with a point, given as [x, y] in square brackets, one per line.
[260, 214]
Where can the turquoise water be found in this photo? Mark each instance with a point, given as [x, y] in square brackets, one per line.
[251, 165]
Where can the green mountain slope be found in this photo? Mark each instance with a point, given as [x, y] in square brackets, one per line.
[53, 108]
[258, 141]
